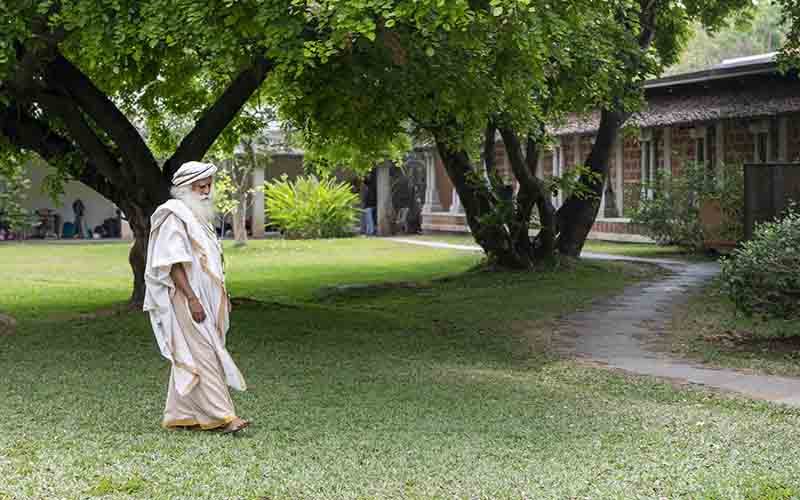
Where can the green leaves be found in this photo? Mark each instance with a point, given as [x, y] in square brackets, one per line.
[311, 208]
[14, 188]
[763, 275]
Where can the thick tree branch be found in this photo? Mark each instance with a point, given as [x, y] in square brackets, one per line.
[519, 166]
[31, 134]
[545, 246]
[214, 120]
[577, 215]
[531, 193]
[83, 134]
[105, 114]
[490, 158]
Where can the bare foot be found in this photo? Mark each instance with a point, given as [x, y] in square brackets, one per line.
[235, 426]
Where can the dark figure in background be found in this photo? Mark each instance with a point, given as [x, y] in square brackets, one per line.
[370, 203]
[79, 209]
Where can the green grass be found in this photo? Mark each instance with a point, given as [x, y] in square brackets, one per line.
[613, 248]
[709, 329]
[49, 279]
[647, 250]
[443, 390]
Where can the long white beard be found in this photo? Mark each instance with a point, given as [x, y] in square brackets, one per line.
[201, 205]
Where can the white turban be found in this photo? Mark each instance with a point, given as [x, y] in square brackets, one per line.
[193, 171]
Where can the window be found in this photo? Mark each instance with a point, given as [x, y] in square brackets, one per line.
[700, 150]
[711, 148]
[704, 139]
[762, 142]
[762, 150]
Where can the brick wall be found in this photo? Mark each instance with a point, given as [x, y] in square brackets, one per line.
[615, 227]
[683, 148]
[568, 149]
[631, 159]
[739, 142]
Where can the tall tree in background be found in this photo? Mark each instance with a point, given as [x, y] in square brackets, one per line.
[510, 70]
[661, 30]
[233, 187]
[80, 80]
[77, 78]
[461, 86]
[755, 31]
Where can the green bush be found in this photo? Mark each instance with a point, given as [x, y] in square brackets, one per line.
[14, 188]
[311, 208]
[672, 215]
[763, 275]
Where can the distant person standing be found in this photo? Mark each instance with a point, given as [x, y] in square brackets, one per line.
[79, 209]
[370, 203]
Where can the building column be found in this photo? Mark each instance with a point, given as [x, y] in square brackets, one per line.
[609, 174]
[667, 149]
[619, 151]
[432, 202]
[719, 130]
[601, 211]
[540, 164]
[558, 167]
[653, 157]
[385, 209]
[577, 150]
[257, 210]
[643, 164]
[783, 138]
[455, 206]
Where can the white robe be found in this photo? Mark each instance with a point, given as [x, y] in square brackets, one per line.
[177, 236]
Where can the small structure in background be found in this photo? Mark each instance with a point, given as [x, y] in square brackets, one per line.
[742, 111]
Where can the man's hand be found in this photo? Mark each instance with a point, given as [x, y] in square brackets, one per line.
[198, 313]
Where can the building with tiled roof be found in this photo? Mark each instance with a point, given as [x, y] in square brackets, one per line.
[743, 110]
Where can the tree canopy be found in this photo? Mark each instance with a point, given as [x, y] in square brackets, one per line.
[99, 88]
[119, 93]
[754, 31]
[509, 67]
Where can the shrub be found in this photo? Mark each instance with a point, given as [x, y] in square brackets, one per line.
[671, 216]
[14, 187]
[763, 275]
[310, 207]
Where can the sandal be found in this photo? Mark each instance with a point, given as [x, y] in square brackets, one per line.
[235, 426]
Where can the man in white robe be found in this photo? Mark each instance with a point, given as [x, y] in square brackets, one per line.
[189, 306]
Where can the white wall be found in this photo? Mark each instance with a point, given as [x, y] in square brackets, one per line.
[97, 210]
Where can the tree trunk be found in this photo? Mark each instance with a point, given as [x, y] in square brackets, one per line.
[239, 224]
[576, 217]
[117, 162]
[139, 220]
[532, 194]
[486, 220]
[385, 206]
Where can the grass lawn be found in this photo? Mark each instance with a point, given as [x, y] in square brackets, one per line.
[626, 249]
[441, 390]
[708, 329]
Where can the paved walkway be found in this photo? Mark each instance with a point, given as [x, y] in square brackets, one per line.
[621, 332]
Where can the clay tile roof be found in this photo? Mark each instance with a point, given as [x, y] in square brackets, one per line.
[683, 99]
[675, 110]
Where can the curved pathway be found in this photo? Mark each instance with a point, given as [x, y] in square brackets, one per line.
[620, 332]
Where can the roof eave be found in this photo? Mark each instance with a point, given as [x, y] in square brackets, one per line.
[710, 75]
